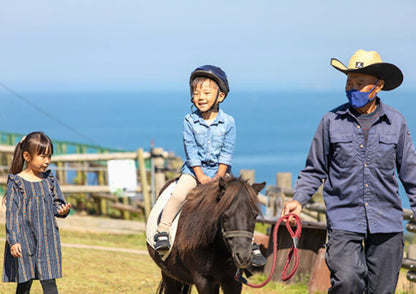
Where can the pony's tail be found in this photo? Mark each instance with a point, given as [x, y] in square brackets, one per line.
[17, 161]
[181, 288]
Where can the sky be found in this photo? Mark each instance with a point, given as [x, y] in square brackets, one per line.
[154, 45]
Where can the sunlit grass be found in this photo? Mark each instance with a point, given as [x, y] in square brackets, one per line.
[97, 271]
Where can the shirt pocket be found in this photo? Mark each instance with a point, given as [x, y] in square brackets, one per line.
[386, 151]
[200, 137]
[218, 139]
[343, 154]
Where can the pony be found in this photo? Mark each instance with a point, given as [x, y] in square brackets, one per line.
[213, 238]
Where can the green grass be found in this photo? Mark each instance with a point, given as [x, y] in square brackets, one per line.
[96, 271]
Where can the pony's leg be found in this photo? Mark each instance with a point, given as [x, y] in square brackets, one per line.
[231, 286]
[205, 286]
[173, 286]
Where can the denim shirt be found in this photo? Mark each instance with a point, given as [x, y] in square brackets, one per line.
[361, 188]
[207, 145]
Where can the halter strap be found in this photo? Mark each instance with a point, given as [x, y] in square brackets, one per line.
[231, 234]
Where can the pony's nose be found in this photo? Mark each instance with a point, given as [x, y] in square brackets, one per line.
[243, 257]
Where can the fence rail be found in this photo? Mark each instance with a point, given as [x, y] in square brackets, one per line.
[75, 171]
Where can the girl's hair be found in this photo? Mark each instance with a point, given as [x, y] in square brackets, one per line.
[36, 143]
[198, 81]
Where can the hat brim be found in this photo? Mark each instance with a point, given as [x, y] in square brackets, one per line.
[389, 73]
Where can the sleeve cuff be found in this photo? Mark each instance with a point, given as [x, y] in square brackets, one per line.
[225, 159]
[192, 162]
[301, 198]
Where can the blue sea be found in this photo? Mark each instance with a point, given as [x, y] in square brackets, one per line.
[274, 128]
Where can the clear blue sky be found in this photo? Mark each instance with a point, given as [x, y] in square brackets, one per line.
[121, 44]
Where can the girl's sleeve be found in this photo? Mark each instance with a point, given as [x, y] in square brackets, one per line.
[227, 150]
[13, 234]
[58, 198]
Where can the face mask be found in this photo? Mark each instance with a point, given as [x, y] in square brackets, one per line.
[359, 99]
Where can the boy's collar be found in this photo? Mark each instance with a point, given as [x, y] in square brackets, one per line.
[220, 116]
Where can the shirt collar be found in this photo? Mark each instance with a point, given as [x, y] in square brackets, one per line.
[346, 110]
[198, 118]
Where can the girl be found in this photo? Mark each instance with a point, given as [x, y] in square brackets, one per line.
[209, 136]
[33, 199]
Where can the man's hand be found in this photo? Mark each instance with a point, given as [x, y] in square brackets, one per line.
[292, 207]
[16, 250]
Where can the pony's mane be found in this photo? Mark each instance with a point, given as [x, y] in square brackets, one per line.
[204, 206]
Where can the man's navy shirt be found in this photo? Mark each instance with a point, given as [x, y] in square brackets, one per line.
[360, 189]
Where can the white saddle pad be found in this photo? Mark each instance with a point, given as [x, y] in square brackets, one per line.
[154, 219]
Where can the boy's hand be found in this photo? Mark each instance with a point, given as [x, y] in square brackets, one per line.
[16, 250]
[64, 209]
[203, 179]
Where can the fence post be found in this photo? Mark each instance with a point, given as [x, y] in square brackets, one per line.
[145, 186]
[103, 202]
[284, 180]
[159, 164]
[248, 175]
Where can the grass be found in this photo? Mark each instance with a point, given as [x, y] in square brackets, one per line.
[96, 271]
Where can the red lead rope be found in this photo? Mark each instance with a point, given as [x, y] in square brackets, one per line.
[293, 252]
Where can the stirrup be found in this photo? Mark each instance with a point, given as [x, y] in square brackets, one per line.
[258, 259]
[162, 242]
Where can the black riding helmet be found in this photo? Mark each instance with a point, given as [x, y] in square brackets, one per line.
[212, 72]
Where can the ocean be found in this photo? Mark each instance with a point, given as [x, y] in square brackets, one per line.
[274, 128]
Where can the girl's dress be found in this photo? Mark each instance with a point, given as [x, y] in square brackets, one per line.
[30, 221]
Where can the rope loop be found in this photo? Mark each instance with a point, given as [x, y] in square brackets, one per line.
[293, 252]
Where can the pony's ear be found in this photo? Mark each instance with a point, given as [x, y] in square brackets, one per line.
[222, 185]
[258, 187]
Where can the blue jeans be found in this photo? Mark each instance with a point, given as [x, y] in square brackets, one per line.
[368, 263]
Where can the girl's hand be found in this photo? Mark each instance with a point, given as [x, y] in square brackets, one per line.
[16, 250]
[203, 179]
[64, 209]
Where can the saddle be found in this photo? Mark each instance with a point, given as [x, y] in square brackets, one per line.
[155, 216]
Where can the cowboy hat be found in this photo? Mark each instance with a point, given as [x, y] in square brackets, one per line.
[369, 62]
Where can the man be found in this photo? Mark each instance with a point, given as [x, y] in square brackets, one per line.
[356, 150]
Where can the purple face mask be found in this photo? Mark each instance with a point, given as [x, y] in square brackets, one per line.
[359, 99]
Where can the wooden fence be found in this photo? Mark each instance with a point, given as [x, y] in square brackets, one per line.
[154, 168]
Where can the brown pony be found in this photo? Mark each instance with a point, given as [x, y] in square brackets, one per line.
[213, 238]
